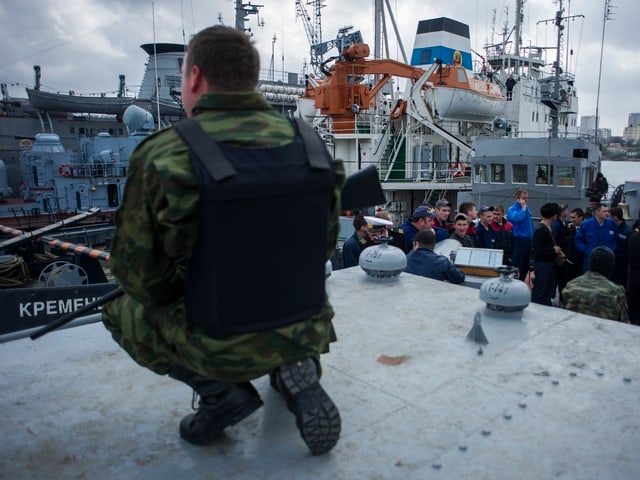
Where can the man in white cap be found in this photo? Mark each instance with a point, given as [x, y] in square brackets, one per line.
[376, 227]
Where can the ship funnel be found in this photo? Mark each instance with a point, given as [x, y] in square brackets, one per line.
[138, 120]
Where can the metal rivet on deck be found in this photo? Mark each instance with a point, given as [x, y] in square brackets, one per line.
[522, 405]
[437, 466]
[539, 393]
[486, 433]
[555, 382]
[507, 416]
[462, 448]
[600, 374]
[627, 379]
[573, 374]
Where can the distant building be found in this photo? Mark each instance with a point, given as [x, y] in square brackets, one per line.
[604, 133]
[588, 125]
[588, 128]
[634, 119]
[632, 133]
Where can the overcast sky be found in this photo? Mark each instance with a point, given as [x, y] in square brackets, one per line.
[83, 45]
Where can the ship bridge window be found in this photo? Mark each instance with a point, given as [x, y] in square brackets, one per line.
[566, 176]
[497, 173]
[480, 173]
[462, 76]
[519, 174]
[544, 174]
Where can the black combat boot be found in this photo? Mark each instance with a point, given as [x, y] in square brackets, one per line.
[221, 404]
[317, 417]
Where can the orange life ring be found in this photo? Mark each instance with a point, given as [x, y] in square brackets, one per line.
[25, 143]
[457, 58]
[456, 169]
[65, 170]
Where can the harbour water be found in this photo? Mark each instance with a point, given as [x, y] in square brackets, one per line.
[618, 172]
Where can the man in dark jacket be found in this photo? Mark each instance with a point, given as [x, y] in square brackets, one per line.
[422, 260]
[355, 243]
[622, 257]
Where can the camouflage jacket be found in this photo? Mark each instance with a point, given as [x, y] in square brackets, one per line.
[594, 294]
[156, 229]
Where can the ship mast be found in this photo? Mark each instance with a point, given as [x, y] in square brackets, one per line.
[243, 10]
[518, 26]
[554, 102]
[607, 16]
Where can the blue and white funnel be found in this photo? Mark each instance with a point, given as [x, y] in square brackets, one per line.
[441, 38]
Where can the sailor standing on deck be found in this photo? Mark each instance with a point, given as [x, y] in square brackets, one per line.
[510, 83]
[519, 215]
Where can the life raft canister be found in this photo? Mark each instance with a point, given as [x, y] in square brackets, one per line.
[65, 170]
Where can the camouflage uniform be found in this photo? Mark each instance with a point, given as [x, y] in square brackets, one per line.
[593, 294]
[157, 228]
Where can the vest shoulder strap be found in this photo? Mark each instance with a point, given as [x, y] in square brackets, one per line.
[204, 147]
[316, 150]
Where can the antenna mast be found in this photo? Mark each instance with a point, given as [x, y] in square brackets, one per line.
[243, 10]
[608, 15]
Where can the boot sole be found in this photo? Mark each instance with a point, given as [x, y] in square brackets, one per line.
[317, 417]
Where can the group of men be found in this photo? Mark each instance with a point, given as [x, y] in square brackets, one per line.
[587, 261]
[555, 256]
[416, 236]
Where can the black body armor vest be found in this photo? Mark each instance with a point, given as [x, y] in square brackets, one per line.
[259, 260]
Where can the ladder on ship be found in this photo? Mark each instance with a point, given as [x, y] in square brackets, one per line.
[45, 121]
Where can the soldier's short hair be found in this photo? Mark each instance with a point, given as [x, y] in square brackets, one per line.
[425, 237]
[226, 57]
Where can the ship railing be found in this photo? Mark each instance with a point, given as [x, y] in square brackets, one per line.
[98, 170]
[414, 171]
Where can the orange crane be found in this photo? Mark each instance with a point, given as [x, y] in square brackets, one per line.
[343, 92]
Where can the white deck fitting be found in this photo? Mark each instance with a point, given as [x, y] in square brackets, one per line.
[554, 395]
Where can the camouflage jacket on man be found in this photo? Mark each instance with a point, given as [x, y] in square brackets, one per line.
[156, 229]
[593, 294]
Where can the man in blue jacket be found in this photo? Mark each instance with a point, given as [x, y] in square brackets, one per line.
[596, 231]
[422, 260]
[422, 218]
[519, 215]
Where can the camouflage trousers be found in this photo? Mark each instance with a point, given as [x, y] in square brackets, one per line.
[159, 338]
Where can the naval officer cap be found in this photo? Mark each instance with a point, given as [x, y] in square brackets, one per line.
[375, 223]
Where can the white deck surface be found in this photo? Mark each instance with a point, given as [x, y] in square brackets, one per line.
[554, 395]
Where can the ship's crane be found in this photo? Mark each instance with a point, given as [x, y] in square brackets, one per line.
[314, 31]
